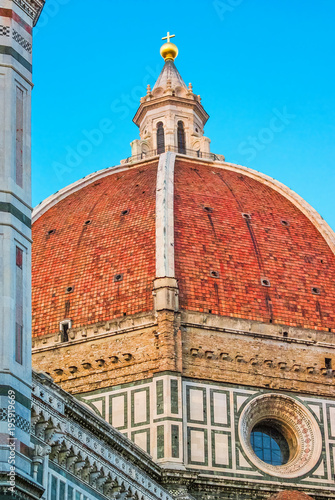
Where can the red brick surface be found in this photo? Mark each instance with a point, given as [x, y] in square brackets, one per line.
[294, 258]
[87, 257]
[290, 495]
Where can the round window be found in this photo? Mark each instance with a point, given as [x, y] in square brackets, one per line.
[280, 436]
[269, 443]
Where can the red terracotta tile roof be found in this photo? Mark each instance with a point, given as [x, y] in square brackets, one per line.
[231, 231]
[277, 243]
[290, 495]
[87, 257]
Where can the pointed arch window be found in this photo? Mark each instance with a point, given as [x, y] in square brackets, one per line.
[160, 138]
[181, 138]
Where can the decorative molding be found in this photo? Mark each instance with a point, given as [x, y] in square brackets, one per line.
[299, 424]
[31, 7]
[122, 325]
[84, 445]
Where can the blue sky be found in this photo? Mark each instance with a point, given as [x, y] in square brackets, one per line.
[264, 69]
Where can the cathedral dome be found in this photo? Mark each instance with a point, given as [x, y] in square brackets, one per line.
[230, 241]
[245, 246]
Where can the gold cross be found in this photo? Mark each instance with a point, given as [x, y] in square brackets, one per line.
[168, 36]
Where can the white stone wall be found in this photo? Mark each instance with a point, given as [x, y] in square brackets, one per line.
[209, 419]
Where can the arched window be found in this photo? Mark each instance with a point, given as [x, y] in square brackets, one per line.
[181, 138]
[160, 138]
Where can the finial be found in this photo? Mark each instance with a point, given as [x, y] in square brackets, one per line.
[168, 36]
[169, 51]
[148, 89]
[190, 88]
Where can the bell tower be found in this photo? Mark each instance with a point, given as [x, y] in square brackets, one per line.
[170, 117]
[17, 18]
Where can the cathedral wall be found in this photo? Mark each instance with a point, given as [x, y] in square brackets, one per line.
[77, 455]
[121, 351]
[200, 425]
[258, 355]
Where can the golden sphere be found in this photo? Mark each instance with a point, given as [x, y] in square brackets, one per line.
[169, 51]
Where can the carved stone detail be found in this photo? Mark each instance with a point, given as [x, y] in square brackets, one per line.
[299, 424]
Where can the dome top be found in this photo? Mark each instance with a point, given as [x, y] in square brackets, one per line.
[169, 76]
[169, 51]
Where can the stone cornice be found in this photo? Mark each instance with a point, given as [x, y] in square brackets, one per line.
[76, 411]
[31, 7]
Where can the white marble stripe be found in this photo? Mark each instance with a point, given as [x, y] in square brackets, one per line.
[165, 216]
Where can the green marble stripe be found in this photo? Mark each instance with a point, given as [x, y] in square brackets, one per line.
[175, 441]
[163, 419]
[160, 441]
[9, 51]
[174, 396]
[19, 398]
[160, 397]
[11, 209]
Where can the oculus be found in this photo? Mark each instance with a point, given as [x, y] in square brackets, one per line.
[280, 435]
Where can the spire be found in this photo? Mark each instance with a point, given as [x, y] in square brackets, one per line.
[170, 77]
[170, 117]
[170, 74]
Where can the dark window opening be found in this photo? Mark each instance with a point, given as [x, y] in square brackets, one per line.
[214, 274]
[265, 282]
[269, 444]
[328, 363]
[285, 334]
[118, 277]
[160, 138]
[65, 331]
[181, 138]
[315, 290]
